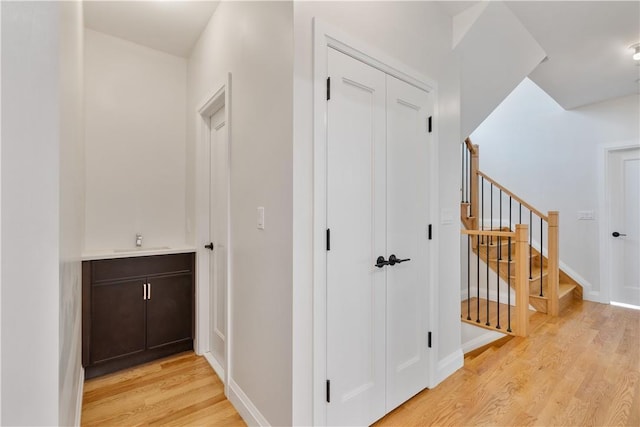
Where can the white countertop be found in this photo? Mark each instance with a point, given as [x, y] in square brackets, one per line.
[136, 252]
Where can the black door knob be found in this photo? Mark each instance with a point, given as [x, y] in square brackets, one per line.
[209, 246]
[616, 234]
[394, 260]
[380, 262]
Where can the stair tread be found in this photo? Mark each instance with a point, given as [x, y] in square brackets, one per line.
[566, 288]
[506, 260]
[535, 276]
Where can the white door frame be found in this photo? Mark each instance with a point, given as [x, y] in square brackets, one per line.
[604, 150]
[220, 98]
[325, 37]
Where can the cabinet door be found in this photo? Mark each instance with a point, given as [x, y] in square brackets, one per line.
[169, 310]
[118, 319]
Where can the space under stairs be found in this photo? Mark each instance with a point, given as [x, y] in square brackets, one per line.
[512, 255]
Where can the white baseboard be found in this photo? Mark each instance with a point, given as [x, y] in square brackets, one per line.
[447, 366]
[217, 367]
[79, 398]
[594, 296]
[247, 410]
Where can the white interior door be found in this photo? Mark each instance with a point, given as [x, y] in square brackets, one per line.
[356, 209]
[408, 110]
[377, 205]
[624, 214]
[218, 229]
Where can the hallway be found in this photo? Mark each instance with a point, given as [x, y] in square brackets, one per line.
[180, 390]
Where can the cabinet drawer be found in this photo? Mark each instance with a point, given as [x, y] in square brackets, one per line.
[124, 268]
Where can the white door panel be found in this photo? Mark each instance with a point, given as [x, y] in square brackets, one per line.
[624, 189]
[377, 205]
[408, 109]
[218, 217]
[356, 218]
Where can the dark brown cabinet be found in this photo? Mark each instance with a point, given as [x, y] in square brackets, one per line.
[135, 310]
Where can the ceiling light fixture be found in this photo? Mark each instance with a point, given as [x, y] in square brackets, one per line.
[636, 51]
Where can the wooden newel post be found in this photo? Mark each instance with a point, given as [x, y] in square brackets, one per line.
[522, 280]
[475, 191]
[553, 257]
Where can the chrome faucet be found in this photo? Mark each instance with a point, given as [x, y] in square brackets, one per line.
[138, 240]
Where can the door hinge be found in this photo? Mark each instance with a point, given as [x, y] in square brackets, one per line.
[328, 391]
[328, 88]
[429, 339]
[429, 232]
[328, 239]
[429, 125]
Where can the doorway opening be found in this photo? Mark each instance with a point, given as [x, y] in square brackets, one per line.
[620, 230]
[213, 290]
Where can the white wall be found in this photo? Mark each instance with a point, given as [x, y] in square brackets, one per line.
[0, 220]
[253, 41]
[30, 213]
[496, 52]
[419, 35]
[71, 210]
[548, 156]
[135, 131]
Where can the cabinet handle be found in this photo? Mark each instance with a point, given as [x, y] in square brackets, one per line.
[149, 291]
[144, 291]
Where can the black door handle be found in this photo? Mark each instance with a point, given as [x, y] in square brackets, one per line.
[380, 262]
[614, 234]
[209, 246]
[393, 260]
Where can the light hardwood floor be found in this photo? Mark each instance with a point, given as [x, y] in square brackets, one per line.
[579, 369]
[181, 390]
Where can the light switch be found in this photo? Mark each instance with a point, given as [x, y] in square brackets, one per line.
[446, 216]
[585, 215]
[260, 218]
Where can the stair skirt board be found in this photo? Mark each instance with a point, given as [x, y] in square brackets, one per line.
[474, 337]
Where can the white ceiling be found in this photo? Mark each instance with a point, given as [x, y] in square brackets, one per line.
[586, 41]
[169, 26]
[587, 45]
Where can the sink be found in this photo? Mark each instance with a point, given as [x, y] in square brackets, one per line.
[140, 249]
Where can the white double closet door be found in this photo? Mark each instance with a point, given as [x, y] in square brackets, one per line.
[377, 205]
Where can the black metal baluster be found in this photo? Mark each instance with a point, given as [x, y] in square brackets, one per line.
[541, 229]
[520, 221]
[510, 215]
[487, 296]
[468, 168]
[509, 290]
[482, 208]
[490, 213]
[470, 195]
[500, 226]
[478, 280]
[530, 239]
[498, 284]
[463, 166]
[469, 278]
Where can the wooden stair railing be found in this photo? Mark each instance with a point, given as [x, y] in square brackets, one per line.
[487, 313]
[543, 272]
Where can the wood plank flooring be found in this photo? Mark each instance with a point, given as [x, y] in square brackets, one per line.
[582, 369]
[579, 369]
[180, 390]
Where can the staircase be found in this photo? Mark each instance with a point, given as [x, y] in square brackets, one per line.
[512, 255]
